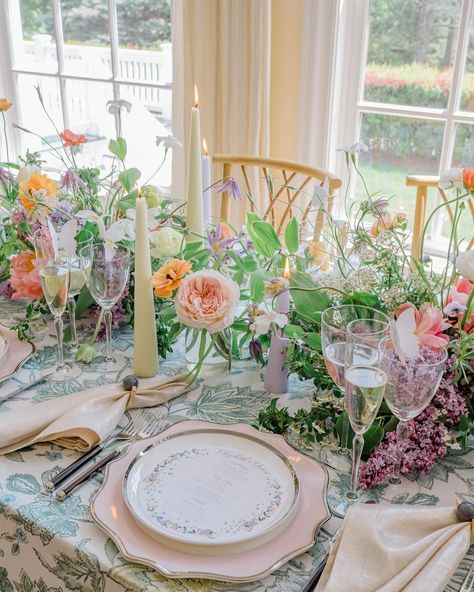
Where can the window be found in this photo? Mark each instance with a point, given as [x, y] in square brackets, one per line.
[82, 54]
[415, 105]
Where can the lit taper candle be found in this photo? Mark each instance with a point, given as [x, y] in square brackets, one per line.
[206, 183]
[194, 207]
[145, 346]
[276, 377]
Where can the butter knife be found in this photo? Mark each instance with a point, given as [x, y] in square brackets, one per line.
[24, 387]
[83, 475]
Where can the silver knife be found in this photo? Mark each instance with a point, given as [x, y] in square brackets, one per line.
[24, 387]
[83, 475]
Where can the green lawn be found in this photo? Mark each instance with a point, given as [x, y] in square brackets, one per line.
[389, 182]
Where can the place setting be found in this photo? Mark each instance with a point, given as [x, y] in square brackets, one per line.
[219, 369]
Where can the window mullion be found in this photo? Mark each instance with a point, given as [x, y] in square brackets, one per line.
[58, 32]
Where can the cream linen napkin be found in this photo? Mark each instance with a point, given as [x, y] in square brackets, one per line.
[393, 548]
[82, 420]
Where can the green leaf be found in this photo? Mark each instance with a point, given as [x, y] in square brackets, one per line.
[364, 299]
[118, 147]
[309, 301]
[257, 283]
[263, 236]
[84, 302]
[372, 437]
[293, 331]
[128, 178]
[343, 430]
[129, 202]
[313, 340]
[291, 236]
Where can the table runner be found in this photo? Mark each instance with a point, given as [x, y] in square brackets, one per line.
[46, 546]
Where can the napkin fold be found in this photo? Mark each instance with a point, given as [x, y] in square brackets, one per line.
[82, 420]
[390, 548]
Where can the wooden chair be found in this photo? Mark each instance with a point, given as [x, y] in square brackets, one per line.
[422, 184]
[289, 180]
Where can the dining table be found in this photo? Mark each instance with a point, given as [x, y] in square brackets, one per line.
[52, 546]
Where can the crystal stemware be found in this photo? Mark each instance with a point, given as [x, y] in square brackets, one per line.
[364, 383]
[106, 274]
[334, 323]
[55, 283]
[411, 384]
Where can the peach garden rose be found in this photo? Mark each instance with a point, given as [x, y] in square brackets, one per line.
[207, 300]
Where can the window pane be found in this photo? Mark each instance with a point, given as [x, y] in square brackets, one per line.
[34, 45]
[463, 156]
[467, 94]
[87, 108]
[149, 117]
[411, 51]
[398, 147]
[86, 37]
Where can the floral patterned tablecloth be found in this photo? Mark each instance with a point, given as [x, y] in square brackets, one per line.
[46, 546]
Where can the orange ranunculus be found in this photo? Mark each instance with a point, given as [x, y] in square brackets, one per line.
[71, 139]
[5, 105]
[24, 276]
[36, 188]
[468, 178]
[169, 277]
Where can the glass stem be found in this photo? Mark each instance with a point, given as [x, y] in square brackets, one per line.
[357, 446]
[72, 320]
[108, 335]
[58, 325]
[402, 430]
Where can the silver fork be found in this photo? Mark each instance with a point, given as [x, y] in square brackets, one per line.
[468, 582]
[145, 426]
[129, 432]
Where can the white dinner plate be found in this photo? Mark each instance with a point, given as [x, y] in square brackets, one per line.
[211, 491]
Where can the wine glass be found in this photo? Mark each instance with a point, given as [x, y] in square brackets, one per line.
[364, 382]
[45, 254]
[106, 276]
[411, 384]
[334, 322]
[55, 283]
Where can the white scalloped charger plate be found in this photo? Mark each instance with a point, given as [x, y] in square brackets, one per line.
[211, 491]
[110, 511]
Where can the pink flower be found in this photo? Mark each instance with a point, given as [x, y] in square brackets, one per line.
[24, 277]
[429, 325]
[207, 300]
[457, 301]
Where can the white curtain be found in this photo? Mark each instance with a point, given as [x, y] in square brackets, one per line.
[224, 48]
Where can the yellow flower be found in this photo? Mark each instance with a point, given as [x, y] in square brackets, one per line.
[5, 105]
[36, 189]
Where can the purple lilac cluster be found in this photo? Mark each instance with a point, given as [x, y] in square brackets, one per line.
[427, 435]
[119, 314]
[62, 213]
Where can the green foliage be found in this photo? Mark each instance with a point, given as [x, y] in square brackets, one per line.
[118, 148]
[291, 235]
[308, 299]
[264, 238]
[128, 178]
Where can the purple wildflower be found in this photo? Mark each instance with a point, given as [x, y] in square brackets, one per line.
[18, 215]
[5, 175]
[62, 213]
[71, 181]
[256, 349]
[231, 186]
[377, 207]
[217, 242]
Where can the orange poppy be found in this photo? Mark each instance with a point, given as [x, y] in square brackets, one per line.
[5, 105]
[468, 178]
[71, 139]
[169, 277]
[36, 188]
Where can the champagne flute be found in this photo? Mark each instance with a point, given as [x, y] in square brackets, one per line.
[411, 384]
[106, 274]
[334, 322]
[364, 384]
[55, 283]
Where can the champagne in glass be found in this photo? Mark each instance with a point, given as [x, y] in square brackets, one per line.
[55, 283]
[364, 384]
[334, 322]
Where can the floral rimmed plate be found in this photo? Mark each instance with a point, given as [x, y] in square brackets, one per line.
[17, 354]
[211, 491]
[111, 513]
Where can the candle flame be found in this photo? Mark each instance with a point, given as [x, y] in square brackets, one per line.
[204, 146]
[139, 191]
[196, 98]
[286, 273]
